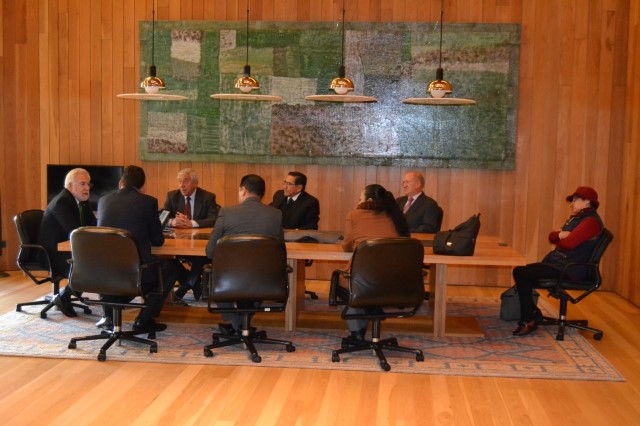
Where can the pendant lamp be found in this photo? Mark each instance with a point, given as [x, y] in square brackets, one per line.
[152, 84]
[246, 83]
[342, 85]
[439, 88]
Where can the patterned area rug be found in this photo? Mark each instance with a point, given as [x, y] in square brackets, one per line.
[497, 354]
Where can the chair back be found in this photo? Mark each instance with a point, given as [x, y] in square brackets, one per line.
[439, 219]
[603, 242]
[105, 261]
[249, 268]
[387, 272]
[28, 227]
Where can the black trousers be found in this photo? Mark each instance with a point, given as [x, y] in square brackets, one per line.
[526, 278]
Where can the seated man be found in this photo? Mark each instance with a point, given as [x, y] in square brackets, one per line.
[67, 211]
[191, 207]
[300, 210]
[422, 212]
[248, 217]
[131, 209]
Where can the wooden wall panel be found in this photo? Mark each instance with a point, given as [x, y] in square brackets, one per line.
[63, 62]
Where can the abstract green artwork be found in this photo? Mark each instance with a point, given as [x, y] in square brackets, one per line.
[389, 61]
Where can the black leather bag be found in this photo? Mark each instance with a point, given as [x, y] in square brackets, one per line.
[510, 304]
[459, 241]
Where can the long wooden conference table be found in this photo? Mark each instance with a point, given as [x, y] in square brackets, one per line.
[490, 251]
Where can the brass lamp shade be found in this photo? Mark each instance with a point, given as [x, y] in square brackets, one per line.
[152, 84]
[246, 83]
[341, 84]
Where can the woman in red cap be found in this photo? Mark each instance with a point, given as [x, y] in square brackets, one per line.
[575, 242]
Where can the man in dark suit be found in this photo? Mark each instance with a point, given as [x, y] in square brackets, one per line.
[191, 207]
[300, 210]
[423, 213]
[67, 211]
[131, 209]
[248, 217]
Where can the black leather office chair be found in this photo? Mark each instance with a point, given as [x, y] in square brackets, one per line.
[558, 289]
[249, 274]
[386, 282]
[33, 260]
[106, 261]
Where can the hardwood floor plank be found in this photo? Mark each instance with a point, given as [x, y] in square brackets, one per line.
[60, 391]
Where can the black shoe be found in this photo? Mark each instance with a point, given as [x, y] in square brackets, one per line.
[64, 306]
[182, 290]
[197, 290]
[148, 326]
[105, 323]
[227, 329]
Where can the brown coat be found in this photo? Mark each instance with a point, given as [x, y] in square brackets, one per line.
[364, 224]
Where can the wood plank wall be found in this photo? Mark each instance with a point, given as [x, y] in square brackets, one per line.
[63, 62]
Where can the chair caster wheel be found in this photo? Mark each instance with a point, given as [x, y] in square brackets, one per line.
[72, 345]
[385, 366]
[420, 357]
[102, 357]
[290, 348]
[598, 336]
[153, 349]
[256, 358]
[43, 315]
[335, 357]
[208, 353]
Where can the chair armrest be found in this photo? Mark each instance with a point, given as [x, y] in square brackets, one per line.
[335, 283]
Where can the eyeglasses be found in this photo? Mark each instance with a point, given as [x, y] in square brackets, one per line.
[284, 182]
[576, 198]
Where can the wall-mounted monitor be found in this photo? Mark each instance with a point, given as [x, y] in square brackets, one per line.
[104, 179]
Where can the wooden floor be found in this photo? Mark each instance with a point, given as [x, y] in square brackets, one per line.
[48, 391]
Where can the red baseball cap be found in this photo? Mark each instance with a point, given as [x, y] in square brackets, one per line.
[586, 193]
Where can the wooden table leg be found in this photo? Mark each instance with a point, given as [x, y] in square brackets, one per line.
[438, 297]
[296, 293]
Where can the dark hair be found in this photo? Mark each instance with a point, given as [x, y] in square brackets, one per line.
[254, 184]
[300, 179]
[383, 200]
[133, 176]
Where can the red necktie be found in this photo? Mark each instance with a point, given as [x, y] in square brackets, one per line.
[187, 208]
[407, 205]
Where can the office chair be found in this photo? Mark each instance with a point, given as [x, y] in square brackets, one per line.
[33, 259]
[385, 281]
[106, 261]
[249, 274]
[557, 289]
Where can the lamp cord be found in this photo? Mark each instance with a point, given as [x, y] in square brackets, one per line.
[153, 34]
[441, 22]
[343, 32]
[248, 6]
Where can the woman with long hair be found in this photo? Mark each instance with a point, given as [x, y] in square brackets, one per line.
[376, 216]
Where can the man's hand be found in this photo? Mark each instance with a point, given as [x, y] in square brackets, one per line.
[181, 221]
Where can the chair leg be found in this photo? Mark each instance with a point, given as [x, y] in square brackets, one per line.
[377, 346]
[247, 338]
[562, 322]
[115, 335]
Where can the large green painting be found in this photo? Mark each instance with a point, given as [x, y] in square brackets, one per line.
[390, 61]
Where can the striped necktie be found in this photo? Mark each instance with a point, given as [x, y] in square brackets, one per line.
[407, 205]
[187, 207]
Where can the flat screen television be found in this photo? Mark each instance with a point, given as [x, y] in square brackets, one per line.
[104, 179]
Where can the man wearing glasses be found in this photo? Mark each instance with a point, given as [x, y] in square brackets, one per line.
[300, 210]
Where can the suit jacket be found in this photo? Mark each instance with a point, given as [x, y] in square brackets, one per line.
[423, 215]
[129, 209]
[205, 209]
[248, 217]
[62, 216]
[304, 213]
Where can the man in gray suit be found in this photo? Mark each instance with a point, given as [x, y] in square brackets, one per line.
[190, 206]
[248, 217]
